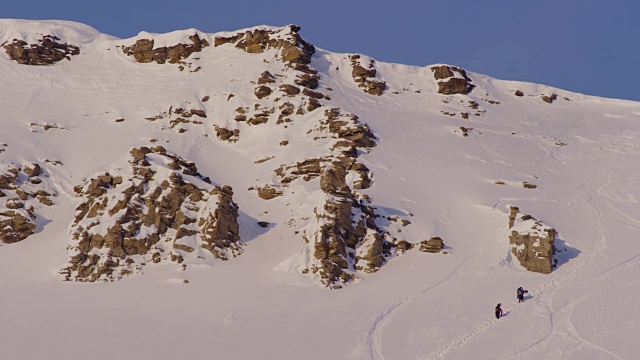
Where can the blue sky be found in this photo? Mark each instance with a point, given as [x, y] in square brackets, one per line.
[586, 46]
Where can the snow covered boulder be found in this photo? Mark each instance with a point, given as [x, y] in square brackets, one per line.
[47, 51]
[532, 242]
[159, 209]
[452, 80]
[143, 51]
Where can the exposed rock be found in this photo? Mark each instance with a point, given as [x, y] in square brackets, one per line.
[257, 120]
[369, 254]
[348, 127]
[518, 93]
[549, 98]
[532, 242]
[433, 245]
[266, 78]
[513, 213]
[295, 51]
[227, 134]
[309, 81]
[151, 212]
[262, 91]
[143, 51]
[313, 104]
[339, 233]
[403, 246]
[363, 182]
[14, 227]
[268, 192]
[452, 80]
[290, 89]
[47, 51]
[312, 94]
[364, 75]
[21, 195]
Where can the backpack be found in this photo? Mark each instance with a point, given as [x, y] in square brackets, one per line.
[520, 290]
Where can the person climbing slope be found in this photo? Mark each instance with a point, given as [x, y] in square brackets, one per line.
[520, 294]
[498, 311]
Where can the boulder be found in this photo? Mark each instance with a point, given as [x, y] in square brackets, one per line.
[262, 91]
[532, 242]
[452, 80]
[433, 245]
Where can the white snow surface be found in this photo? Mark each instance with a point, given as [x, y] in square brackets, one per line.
[580, 151]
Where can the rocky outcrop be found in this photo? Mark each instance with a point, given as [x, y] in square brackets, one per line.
[452, 80]
[364, 74]
[47, 51]
[370, 255]
[23, 191]
[294, 51]
[532, 242]
[262, 91]
[143, 51]
[163, 209]
[549, 98]
[268, 192]
[433, 245]
[227, 134]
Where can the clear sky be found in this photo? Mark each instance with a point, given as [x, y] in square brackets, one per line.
[586, 46]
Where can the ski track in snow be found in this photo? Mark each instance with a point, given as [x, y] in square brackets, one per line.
[563, 328]
[374, 336]
[545, 293]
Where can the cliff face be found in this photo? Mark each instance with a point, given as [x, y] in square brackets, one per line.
[532, 242]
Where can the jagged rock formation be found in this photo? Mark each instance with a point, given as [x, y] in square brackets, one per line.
[22, 191]
[47, 51]
[452, 80]
[295, 51]
[143, 51]
[532, 242]
[365, 75]
[163, 209]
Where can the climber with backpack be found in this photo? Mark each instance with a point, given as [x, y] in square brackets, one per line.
[498, 311]
[520, 294]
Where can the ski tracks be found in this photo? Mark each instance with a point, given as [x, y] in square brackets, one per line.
[545, 291]
[374, 336]
[563, 328]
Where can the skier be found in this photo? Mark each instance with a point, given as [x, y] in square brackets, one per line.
[498, 311]
[520, 294]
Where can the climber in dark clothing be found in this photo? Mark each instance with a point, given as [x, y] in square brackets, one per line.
[520, 294]
[498, 311]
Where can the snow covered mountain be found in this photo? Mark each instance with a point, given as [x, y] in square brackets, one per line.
[190, 194]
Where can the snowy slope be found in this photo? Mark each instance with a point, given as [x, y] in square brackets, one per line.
[580, 151]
